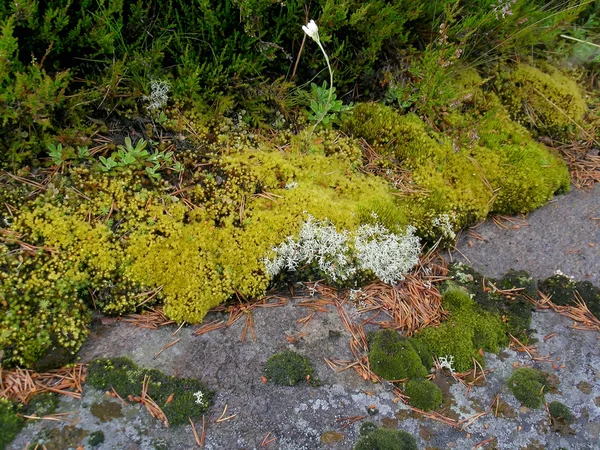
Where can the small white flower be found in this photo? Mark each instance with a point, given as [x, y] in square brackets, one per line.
[312, 30]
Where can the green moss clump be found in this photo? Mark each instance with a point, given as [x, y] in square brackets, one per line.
[385, 439]
[561, 290]
[546, 100]
[424, 394]
[10, 423]
[96, 438]
[190, 397]
[468, 329]
[394, 357]
[289, 368]
[515, 311]
[560, 411]
[42, 404]
[366, 428]
[528, 386]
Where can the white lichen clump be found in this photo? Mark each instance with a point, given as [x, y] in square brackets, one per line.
[199, 398]
[444, 224]
[387, 255]
[446, 362]
[158, 98]
[318, 241]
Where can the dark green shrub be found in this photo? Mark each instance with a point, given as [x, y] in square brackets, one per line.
[289, 368]
[394, 357]
[424, 394]
[385, 439]
[190, 398]
[528, 386]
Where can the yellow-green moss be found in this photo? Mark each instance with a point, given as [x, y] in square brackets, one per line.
[546, 100]
[491, 164]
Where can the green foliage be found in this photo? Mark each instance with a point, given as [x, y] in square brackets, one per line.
[528, 386]
[560, 411]
[546, 101]
[10, 423]
[289, 368]
[424, 394]
[468, 330]
[29, 98]
[190, 398]
[394, 357]
[373, 438]
[324, 105]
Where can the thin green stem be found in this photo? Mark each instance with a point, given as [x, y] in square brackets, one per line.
[330, 71]
[318, 41]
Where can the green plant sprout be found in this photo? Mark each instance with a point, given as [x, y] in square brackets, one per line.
[57, 154]
[130, 155]
[60, 155]
[320, 105]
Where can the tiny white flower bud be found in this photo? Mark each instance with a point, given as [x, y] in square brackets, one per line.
[311, 30]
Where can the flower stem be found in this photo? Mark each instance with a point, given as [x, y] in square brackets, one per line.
[318, 41]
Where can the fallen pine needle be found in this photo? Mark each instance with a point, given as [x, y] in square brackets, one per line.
[196, 437]
[222, 417]
[211, 326]
[484, 442]
[349, 421]
[53, 417]
[266, 441]
[179, 329]
[166, 347]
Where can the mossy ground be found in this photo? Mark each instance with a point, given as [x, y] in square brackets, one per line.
[515, 310]
[468, 330]
[424, 394]
[10, 423]
[289, 368]
[545, 100]
[112, 238]
[560, 411]
[397, 358]
[562, 290]
[529, 386]
[373, 438]
[190, 398]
